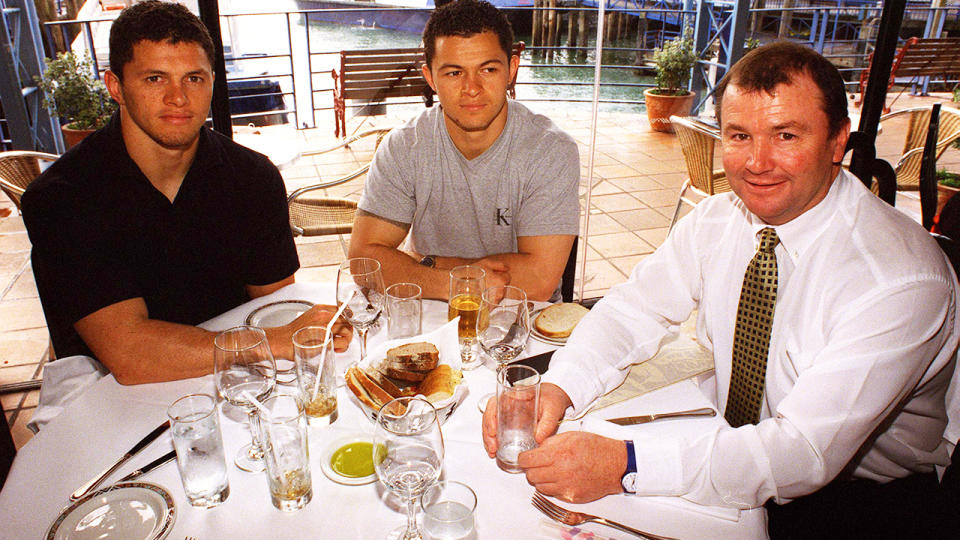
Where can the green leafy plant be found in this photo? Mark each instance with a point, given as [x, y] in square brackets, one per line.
[71, 90]
[674, 60]
[948, 179]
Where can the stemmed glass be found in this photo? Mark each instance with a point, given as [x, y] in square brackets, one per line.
[408, 454]
[503, 325]
[244, 370]
[360, 286]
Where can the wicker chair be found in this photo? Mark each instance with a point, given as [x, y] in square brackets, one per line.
[697, 141]
[908, 166]
[320, 215]
[17, 169]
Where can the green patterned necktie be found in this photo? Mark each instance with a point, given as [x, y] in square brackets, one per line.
[751, 337]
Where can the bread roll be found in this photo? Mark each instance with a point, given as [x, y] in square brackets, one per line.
[368, 391]
[440, 384]
[559, 320]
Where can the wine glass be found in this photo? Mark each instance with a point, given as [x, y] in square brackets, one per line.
[408, 454]
[360, 286]
[503, 325]
[245, 371]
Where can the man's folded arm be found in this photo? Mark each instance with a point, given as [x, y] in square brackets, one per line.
[538, 265]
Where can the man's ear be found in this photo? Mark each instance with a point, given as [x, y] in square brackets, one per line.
[428, 76]
[514, 66]
[112, 83]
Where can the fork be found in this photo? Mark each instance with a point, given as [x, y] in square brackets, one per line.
[571, 518]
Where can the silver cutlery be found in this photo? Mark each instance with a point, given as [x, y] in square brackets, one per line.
[95, 481]
[644, 418]
[162, 460]
[570, 518]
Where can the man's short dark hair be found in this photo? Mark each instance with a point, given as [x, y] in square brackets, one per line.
[766, 67]
[158, 21]
[466, 18]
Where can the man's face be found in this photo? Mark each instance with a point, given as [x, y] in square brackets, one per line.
[165, 93]
[777, 153]
[470, 76]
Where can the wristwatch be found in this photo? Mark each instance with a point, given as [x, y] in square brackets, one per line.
[430, 261]
[629, 478]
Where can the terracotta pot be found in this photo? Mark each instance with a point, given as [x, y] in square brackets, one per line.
[72, 137]
[661, 108]
[943, 195]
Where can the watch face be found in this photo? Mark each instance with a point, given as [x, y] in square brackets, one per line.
[628, 482]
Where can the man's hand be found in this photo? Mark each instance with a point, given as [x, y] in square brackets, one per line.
[553, 404]
[497, 273]
[576, 466]
[281, 339]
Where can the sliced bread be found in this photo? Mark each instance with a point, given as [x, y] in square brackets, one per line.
[418, 356]
[559, 320]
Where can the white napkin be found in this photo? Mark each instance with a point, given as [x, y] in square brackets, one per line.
[676, 397]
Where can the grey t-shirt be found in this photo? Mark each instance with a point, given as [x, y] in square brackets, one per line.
[525, 184]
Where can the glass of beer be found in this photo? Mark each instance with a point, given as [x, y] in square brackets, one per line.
[466, 290]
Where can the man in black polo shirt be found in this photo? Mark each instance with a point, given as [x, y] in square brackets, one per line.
[155, 223]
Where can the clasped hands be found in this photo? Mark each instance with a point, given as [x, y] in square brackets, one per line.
[574, 466]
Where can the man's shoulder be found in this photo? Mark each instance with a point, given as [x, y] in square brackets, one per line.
[232, 153]
[538, 129]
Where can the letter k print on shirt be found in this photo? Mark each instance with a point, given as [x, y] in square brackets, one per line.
[503, 216]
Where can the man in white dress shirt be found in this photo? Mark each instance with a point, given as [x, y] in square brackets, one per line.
[861, 349]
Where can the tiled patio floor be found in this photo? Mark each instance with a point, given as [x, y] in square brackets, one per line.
[637, 176]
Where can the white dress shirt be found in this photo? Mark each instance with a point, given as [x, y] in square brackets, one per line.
[861, 352]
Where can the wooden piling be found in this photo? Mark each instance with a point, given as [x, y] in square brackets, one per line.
[535, 25]
[581, 35]
[551, 28]
[571, 33]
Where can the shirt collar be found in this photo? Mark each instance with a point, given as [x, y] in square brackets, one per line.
[798, 234]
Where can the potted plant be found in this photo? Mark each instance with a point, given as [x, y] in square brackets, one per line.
[673, 61]
[948, 184]
[76, 96]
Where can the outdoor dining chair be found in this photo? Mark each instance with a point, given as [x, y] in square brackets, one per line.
[313, 214]
[18, 168]
[697, 143]
[908, 166]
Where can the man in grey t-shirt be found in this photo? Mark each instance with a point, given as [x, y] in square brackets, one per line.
[479, 180]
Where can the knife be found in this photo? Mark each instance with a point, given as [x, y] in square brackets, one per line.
[86, 488]
[169, 456]
[644, 418]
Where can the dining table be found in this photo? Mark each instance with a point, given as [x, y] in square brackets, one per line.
[108, 418]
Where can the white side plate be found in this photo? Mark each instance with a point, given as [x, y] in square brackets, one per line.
[128, 511]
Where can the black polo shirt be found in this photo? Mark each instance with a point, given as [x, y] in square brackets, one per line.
[101, 233]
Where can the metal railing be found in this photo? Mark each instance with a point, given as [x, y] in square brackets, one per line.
[842, 33]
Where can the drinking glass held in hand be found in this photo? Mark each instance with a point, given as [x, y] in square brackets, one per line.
[244, 371]
[408, 453]
[360, 286]
[466, 289]
[518, 398]
[283, 428]
[195, 429]
[316, 372]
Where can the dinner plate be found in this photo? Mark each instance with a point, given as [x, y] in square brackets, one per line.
[327, 454]
[277, 313]
[535, 334]
[127, 511]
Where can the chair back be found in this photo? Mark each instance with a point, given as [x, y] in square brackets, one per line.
[908, 166]
[17, 169]
[569, 273]
[697, 143]
[8, 449]
[318, 216]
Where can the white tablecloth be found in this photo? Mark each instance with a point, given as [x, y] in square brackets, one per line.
[109, 418]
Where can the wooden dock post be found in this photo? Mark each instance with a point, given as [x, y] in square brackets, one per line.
[535, 24]
[551, 28]
[581, 35]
